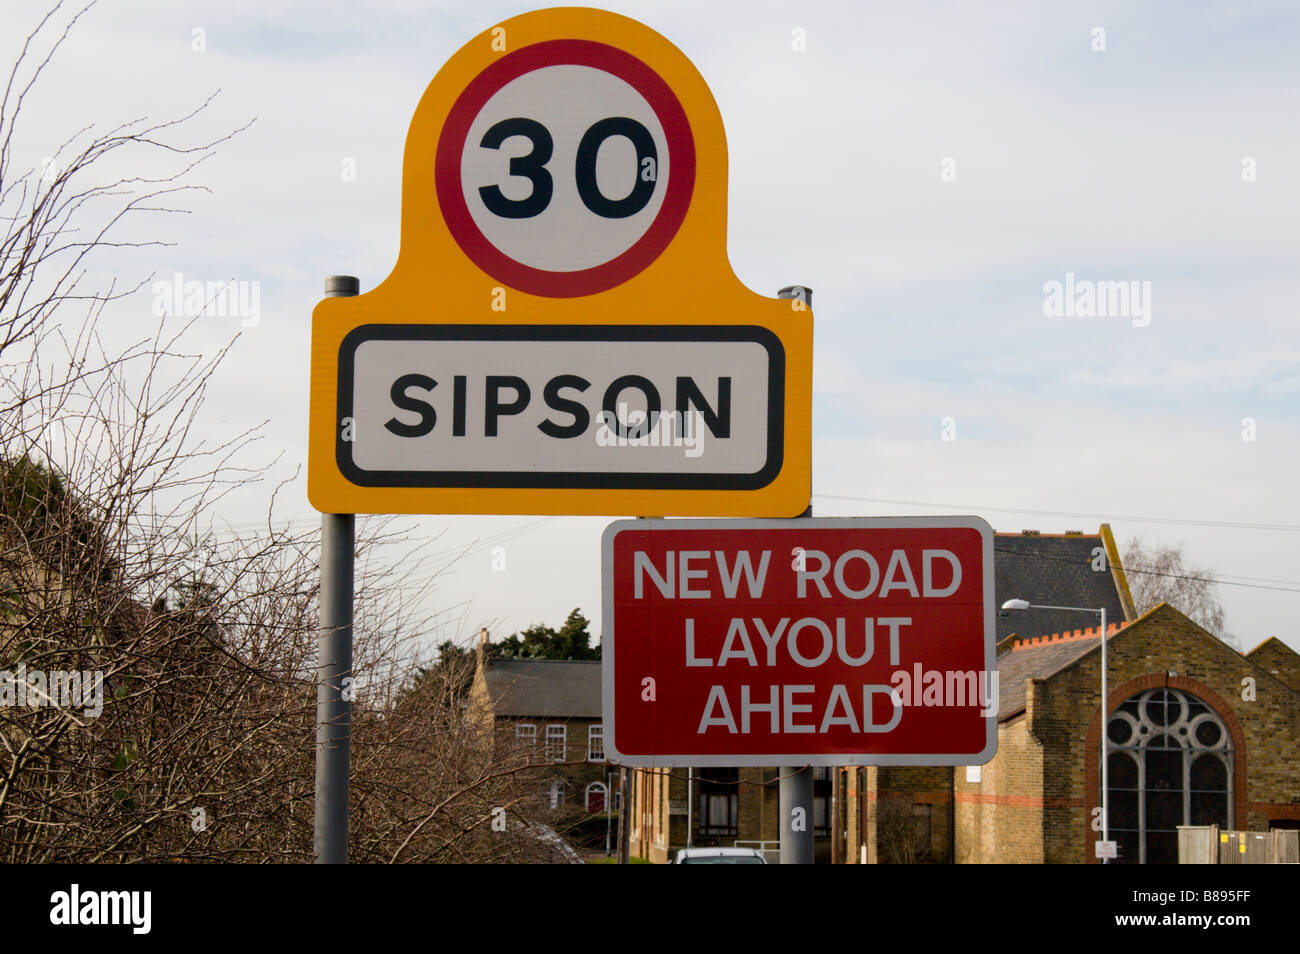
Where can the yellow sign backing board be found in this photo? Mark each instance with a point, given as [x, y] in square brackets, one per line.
[562, 332]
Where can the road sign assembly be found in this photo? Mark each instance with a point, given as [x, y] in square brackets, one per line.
[838, 641]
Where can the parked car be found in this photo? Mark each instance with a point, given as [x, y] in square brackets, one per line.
[719, 856]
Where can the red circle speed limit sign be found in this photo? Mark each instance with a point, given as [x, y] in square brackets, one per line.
[565, 168]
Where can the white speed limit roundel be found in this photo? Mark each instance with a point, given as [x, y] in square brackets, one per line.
[565, 168]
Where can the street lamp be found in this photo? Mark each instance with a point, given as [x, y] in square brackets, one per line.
[1018, 605]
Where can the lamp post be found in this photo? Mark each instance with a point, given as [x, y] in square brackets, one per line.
[1020, 605]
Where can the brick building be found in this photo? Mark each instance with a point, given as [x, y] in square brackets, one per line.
[554, 707]
[1199, 734]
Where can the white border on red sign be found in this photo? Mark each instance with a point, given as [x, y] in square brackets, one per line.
[800, 523]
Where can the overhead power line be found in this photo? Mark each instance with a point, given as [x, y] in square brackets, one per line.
[1226, 524]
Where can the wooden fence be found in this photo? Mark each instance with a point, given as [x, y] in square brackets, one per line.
[1208, 845]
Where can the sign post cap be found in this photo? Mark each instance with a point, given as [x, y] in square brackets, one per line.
[342, 286]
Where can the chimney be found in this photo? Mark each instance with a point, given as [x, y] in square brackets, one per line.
[481, 649]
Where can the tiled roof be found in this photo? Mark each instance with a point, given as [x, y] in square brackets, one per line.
[1035, 657]
[547, 688]
[1035, 662]
[1055, 570]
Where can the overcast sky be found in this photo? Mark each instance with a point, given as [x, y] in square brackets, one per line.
[1170, 157]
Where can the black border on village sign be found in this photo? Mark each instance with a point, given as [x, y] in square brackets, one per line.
[528, 478]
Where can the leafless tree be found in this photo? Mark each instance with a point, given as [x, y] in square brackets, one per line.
[902, 840]
[1159, 573]
[188, 732]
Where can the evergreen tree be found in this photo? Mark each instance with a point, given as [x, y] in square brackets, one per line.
[571, 641]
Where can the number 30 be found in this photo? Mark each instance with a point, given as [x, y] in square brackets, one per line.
[533, 167]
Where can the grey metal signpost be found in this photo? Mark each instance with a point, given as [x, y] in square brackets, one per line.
[796, 815]
[795, 800]
[334, 665]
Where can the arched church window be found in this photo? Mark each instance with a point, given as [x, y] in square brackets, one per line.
[1170, 764]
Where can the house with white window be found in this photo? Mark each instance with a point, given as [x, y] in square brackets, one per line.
[551, 706]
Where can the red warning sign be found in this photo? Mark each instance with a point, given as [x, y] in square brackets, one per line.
[802, 642]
